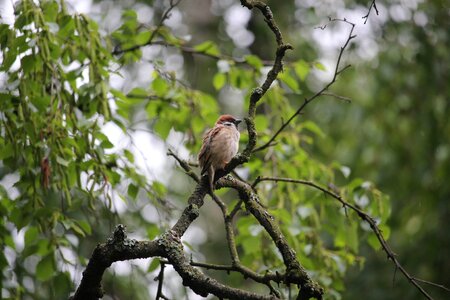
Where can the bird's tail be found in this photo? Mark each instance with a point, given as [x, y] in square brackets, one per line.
[211, 175]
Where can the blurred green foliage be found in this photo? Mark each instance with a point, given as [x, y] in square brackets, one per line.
[59, 96]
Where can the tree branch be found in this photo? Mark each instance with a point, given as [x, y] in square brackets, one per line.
[165, 16]
[441, 286]
[362, 215]
[192, 51]
[295, 273]
[188, 170]
[160, 278]
[258, 92]
[169, 245]
[117, 248]
[337, 71]
[374, 6]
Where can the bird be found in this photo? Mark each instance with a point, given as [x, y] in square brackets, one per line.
[220, 145]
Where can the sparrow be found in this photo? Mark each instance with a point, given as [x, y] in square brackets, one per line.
[220, 145]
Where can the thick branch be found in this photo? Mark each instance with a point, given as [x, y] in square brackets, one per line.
[295, 273]
[196, 280]
[169, 245]
[117, 248]
[191, 212]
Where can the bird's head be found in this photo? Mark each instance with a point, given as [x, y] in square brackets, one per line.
[228, 120]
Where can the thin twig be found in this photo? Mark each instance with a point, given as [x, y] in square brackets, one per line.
[362, 215]
[164, 17]
[441, 286]
[374, 6]
[345, 99]
[160, 278]
[337, 71]
[188, 170]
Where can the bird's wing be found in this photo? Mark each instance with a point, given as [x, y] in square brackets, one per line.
[204, 157]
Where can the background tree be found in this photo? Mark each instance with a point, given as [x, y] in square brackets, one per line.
[80, 97]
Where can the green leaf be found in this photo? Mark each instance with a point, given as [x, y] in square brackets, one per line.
[20, 217]
[301, 69]
[159, 188]
[219, 80]
[385, 230]
[290, 81]
[45, 268]
[136, 92]
[311, 126]
[85, 226]
[106, 144]
[208, 47]
[320, 66]
[28, 62]
[128, 155]
[77, 229]
[7, 151]
[62, 161]
[162, 128]
[3, 260]
[251, 244]
[132, 191]
[72, 174]
[153, 265]
[67, 27]
[31, 236]
[152, 231]
[160, 86]
[62, 284]
[143, 37]
[10, 242]
[50, 10]
[355, 184]
[41, 103]
[261, 123]
[372, 240]
[254, 61]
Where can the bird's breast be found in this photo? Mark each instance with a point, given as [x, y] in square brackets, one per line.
[224, 147]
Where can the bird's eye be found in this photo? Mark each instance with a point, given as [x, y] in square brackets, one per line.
[228, 124]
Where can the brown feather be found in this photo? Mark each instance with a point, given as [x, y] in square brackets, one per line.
[220, 144]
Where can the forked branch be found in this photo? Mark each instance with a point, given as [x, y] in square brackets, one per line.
[337, 70]
[363, 216]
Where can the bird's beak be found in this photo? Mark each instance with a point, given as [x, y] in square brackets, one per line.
[237, 122]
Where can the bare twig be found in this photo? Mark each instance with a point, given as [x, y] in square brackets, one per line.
[441, 286]
[188, 170]
[192, 51]
[343, 98]
[362, 215]
[160, 278]
[165, 16]
[337, 70]
[374, 6]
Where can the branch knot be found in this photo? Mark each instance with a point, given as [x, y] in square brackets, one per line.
[119, 235]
